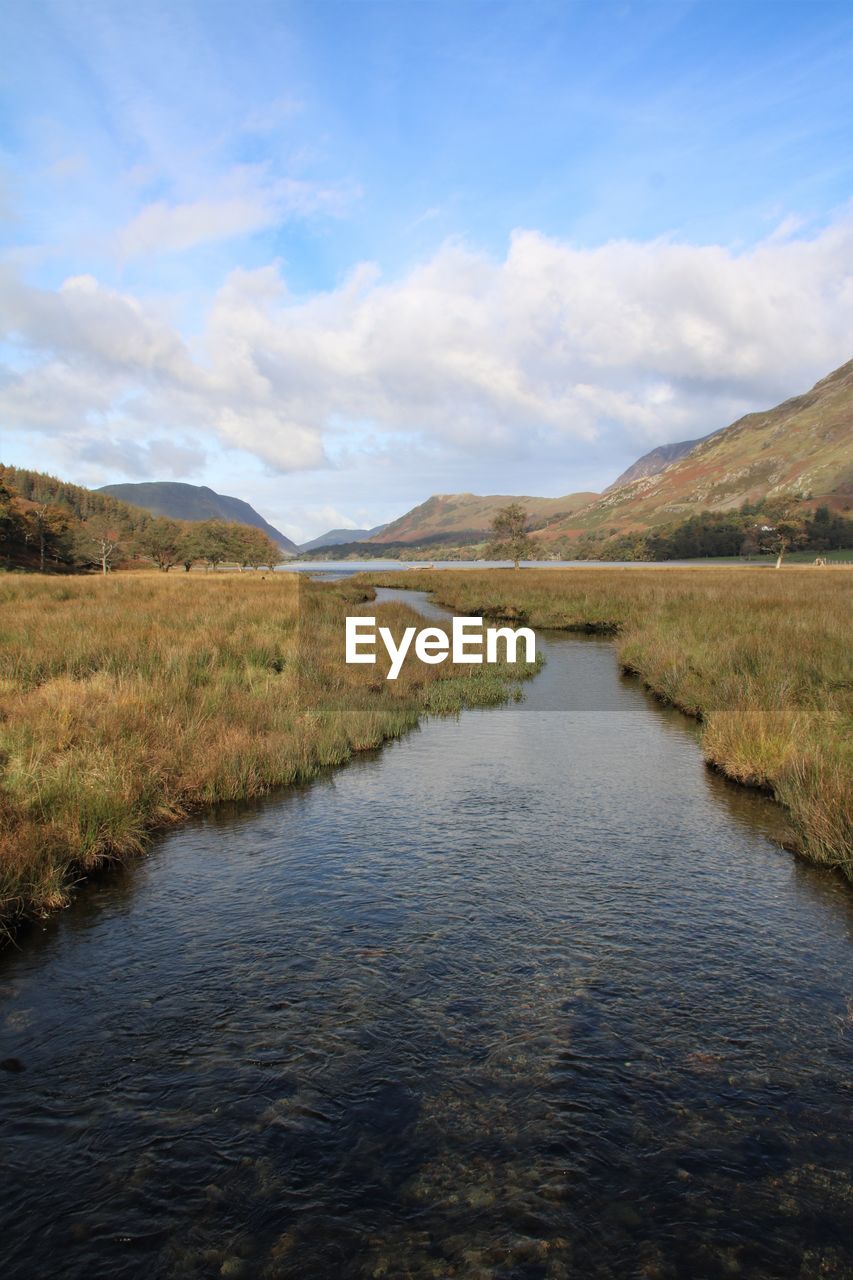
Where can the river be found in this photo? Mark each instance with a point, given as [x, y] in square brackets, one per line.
[527, 995]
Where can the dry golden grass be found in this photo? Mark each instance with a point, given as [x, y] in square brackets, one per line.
[126, 702]
[764, 658]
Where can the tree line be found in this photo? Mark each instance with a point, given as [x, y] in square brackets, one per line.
[774, 527]
[48, 524]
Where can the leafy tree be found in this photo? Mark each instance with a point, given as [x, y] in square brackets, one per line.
[47, 526]
[510, 539]
[751, 543]
[826, 531]
[786, 531]
[254, 548]
[33, 486]
[161, 540]
[819, 530]
[709, 533]
[7, 519]
[215, 542]
[189, 546]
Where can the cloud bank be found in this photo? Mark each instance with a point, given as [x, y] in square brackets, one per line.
[648, 341]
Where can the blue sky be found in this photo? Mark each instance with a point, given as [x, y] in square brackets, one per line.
[333, 257]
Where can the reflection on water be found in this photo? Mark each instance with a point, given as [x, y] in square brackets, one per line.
[523, 995]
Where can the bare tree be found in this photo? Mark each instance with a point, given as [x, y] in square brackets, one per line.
[106, 538]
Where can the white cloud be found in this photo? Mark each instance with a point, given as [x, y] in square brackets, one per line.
[330, 518]
[168, 459]
[464, 354]
[246, 201]
[165, 228]
[84, 322]
[101, 366]
[652, 339]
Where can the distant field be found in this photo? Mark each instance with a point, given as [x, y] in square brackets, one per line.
[764, 659]
[844, 556]
[130, 700]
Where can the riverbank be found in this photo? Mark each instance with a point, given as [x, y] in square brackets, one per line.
[763, 660]
[130, 701]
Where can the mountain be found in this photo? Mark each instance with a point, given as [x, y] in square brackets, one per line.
[654, 461]
[803, 446]
[194, 502]
[337, 537]
[467, 517]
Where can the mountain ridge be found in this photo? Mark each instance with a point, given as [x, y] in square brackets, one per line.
[444, 517]
[338, 537]
[180, 501]
[802, 446]
[649, 464]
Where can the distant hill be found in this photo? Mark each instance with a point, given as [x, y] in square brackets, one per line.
[802, 446]
[37, 488]
[467, 517]
[337, 537]
[654, 461]
[194, 502]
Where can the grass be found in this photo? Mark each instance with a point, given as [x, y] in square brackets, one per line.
[129, 701]
[763, 659]
[844, 555]
[768, 560]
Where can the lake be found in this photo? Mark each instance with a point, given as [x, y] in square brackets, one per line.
[528, 994]
[334, 569]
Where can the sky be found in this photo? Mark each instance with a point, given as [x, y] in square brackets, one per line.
[332, 258]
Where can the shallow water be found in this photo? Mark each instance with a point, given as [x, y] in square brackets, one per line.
[528, 994]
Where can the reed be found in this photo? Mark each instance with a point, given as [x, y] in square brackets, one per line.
[763, 658]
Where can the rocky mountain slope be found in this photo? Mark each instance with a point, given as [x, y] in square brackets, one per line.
[654, 461]
[803, 446]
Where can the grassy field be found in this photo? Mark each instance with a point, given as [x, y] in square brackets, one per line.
[129, 701]
[764, 659]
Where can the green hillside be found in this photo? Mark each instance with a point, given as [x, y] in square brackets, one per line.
[195, 502]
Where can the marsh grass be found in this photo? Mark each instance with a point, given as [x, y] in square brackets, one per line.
[764, 659]
[129, 701]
